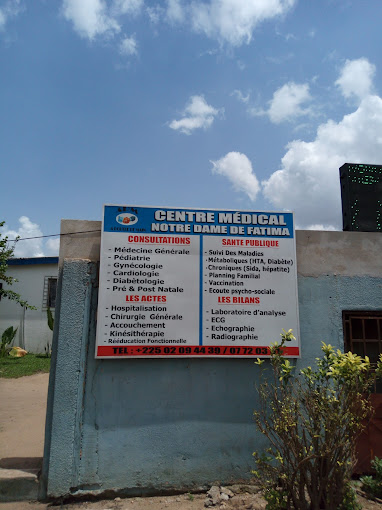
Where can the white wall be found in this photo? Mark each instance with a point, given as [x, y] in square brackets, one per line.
[32, 324]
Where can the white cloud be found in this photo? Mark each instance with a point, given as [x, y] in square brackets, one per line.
[128, 46]
[96, 18]
[290, 37]
[90, 18]
[287, 100]
[53, 246]
[127, 6]
[155, 14]
[197, 114]
[30, 247]
[356, 78]
[240, 96]
[227, 21]
[257, 112]
[286, 103]
[175, 11]
[319, 226]
[308, 180]
[238, 169]
[233, 21]
[10, 9]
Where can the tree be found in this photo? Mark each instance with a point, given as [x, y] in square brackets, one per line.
[312, 420]
[6, 252]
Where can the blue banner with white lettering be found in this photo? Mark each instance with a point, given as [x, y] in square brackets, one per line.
[161, 220]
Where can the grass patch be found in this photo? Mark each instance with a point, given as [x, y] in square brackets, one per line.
[30, 364]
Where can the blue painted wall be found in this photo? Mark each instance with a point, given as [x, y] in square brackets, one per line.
[143, 426]
[321, 302]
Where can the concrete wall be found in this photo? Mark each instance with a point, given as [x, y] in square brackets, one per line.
[141, 426]
[336, 271]
[33, 333]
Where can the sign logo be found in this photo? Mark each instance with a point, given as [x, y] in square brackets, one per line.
[126, 219]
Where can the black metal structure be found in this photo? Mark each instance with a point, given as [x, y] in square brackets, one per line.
[361, 192]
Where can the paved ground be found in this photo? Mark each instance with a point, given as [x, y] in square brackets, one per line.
[22, 418]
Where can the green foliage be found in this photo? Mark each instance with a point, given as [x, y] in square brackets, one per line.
[30, 364]
[6, 339]
[277, 499]
[349, 501]
[50, 319]
[312, 420]
[6, 252]
[373, 485]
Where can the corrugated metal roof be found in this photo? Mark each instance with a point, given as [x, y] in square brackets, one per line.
[32, 260]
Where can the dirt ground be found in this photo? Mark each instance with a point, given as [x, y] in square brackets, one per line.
[22, 418]
[182, 502]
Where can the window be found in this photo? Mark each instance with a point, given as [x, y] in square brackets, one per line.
[363, 335]
[50, 291]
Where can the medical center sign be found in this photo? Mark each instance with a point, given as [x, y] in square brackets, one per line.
[195, 283]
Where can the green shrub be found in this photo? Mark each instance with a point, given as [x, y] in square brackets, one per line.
[6, 339]
[7, 252]
[50, 319]
[373, 485]
[311, 421]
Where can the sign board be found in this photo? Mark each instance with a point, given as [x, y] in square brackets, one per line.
[361, 192]
[195, 283]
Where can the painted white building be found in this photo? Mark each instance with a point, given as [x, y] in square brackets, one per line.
[37, 283]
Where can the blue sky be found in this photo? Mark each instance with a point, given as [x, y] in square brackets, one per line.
[229, 104]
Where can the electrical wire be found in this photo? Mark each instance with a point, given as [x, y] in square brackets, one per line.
[51, 235]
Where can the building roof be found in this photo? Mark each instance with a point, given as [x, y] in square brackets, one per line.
[32, 260]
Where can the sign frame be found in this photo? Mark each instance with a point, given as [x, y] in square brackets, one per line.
[130, 227]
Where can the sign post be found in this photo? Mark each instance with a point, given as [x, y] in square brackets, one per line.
[195, 283]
